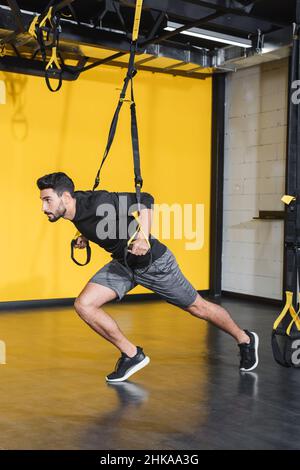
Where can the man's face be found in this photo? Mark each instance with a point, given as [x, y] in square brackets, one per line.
[53, 205]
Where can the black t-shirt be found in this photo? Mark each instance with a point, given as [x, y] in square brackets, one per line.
[104, 218]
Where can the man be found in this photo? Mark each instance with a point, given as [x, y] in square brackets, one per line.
[104, 218]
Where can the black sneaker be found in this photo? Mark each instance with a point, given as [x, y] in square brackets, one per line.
[127, 366]
[248, 352]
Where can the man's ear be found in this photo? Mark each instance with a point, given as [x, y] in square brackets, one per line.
[66, 196]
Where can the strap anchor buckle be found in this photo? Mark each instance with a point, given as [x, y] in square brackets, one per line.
[138, 181]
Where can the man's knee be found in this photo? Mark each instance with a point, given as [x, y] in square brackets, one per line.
[84, 307]
[199, 308]
[81, 306]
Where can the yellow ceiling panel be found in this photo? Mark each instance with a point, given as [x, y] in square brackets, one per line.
[96, 52]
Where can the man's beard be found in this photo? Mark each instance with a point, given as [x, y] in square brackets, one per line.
[57, 215]
[55, 218]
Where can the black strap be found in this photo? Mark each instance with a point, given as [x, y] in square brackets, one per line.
[54, 72]
[281, 341]
[138, 181]
[88, 253]
[112, 131]
[292, 224]
[279, 353]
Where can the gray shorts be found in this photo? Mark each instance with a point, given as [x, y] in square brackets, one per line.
[164, 277]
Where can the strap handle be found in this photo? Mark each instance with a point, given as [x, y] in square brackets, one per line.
[279, 356]
[289, 308]
[88, 254]
[139, 229]
[53, 72]
[88, 251]
[295, 318]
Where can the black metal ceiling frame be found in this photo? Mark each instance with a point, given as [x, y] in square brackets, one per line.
[220, 11]
[238, 12]
[74, 72]
[19, 17]
[158, 40]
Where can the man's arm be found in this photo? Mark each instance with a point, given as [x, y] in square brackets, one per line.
[145, 219]
[140, 246]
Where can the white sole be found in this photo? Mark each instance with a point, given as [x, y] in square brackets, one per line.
[132, 371]
[256, 353]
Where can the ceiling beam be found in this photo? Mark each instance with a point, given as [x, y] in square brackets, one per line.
[82, 35]
[193, 24]
[29, 67]
[182, 8]
[238, 12]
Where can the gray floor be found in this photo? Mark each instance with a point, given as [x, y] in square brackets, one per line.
[191, 396]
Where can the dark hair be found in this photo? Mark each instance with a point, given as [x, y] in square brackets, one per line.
[59, 182]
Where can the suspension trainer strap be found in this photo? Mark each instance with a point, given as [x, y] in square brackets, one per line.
[138, 181]
[112, 131]
[131, 72]
[287, 326]
[111, 135]
[44, 27]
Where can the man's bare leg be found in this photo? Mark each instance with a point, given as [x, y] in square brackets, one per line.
[218, 316]
[88, 306]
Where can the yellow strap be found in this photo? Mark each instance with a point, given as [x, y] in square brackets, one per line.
[47, 17]
[288, 199]
[295, 320]
[34, 22]
[288, 308]
[31, 29]
[289, 299]
[77, 234]
[139, 229]
[2, 50]
[53, 59]
[137, 20]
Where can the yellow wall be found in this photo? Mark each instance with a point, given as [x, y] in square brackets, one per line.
[43, 132]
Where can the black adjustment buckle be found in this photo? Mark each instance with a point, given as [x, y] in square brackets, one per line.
[96, 184]
[130, 75]
[138, 180]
